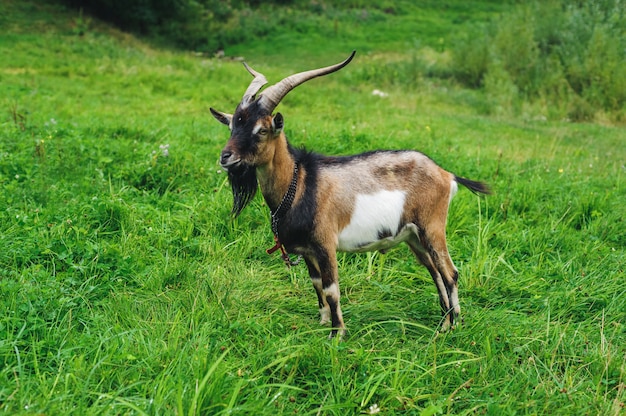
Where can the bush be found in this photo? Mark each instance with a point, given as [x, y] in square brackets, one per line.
[202, 25]
[191, 24]
[567, 54]
[470, 59]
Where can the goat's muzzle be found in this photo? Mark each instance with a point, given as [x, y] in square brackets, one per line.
[228, 159]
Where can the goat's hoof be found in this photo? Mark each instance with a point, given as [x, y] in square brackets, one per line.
[448, 326]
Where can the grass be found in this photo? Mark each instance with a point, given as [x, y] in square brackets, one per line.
[127, 289]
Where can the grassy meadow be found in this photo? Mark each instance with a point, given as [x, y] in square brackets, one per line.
[127, 288]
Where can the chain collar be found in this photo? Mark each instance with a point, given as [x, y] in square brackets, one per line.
[287, 201]
[279, 213]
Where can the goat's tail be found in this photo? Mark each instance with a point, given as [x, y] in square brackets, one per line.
[474, 186]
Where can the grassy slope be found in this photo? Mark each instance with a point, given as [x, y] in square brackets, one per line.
[125, 287]
[370, 27]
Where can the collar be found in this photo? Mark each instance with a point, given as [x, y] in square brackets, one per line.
[287, 201]
[279, 213]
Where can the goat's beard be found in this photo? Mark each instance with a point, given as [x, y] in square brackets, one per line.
[244, 184]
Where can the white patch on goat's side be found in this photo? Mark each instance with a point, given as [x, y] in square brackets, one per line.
[373, 214]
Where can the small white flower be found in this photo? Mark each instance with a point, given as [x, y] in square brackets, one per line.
[373, 409]
[380, 93]
[165, 150]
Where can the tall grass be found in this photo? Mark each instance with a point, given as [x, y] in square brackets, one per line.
[126, 288]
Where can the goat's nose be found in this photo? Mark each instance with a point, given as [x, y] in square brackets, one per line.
[225, 156]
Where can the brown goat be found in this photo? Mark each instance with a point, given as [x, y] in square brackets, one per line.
[321, 204]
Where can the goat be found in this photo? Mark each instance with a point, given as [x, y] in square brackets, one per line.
[323, 204]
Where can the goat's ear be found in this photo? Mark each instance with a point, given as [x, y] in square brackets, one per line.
[222, 117]
[277, 123]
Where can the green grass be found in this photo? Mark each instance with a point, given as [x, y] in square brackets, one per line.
[126, 288]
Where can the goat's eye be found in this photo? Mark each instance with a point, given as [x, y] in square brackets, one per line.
[262, 132]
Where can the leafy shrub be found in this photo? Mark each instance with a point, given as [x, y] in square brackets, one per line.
[471, 59]
[205, 25]
[571, 55]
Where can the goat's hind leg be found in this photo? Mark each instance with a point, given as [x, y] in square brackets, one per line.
[435, 257]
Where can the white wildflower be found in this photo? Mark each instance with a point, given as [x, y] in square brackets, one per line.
[380, 93]
[373, 409]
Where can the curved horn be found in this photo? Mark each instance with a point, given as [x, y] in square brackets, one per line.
[270, 98]
[254, 87]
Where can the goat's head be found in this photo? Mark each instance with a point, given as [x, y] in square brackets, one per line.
[254, 130]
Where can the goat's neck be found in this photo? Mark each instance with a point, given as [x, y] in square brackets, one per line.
[275, 176]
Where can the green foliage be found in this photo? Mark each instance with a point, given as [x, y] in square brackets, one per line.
[184, 22]
[127, 288]
[554, 59]
[567, 55]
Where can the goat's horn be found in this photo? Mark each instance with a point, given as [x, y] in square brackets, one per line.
[254, 87]
[270, 98]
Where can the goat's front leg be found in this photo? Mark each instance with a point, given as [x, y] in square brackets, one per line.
[324, 276]
[316, 279]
